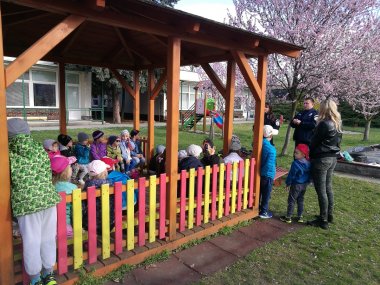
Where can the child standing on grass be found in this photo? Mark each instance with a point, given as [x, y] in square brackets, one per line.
[268, 171]
[61, 167]
[34, 201]
[297, 181]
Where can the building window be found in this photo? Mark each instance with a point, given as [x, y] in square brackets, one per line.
[187, 96]
[18, 94]
[44, 95]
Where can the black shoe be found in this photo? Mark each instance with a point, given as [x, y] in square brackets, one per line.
[330, 218]
[314, 223]
[324, 225]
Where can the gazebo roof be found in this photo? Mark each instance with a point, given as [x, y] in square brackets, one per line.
[128, 34]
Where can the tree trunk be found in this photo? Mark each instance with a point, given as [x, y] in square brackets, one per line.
[366, 129]
[287, 136]
[116, 106]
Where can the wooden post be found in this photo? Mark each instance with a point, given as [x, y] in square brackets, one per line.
[62, 99]
[195, 108]
[136, 102]
[259, 123]
[229, 115]
[6, 252]
[173, 69]
[150, 151]
[204, 111]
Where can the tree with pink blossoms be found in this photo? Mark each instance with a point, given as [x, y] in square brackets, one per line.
[360, 81]
[322, 27]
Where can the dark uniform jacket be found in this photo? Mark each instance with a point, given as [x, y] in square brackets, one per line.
[304, 131]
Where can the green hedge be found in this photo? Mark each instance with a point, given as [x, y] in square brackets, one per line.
[350, 118]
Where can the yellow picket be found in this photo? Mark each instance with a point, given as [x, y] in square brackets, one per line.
[77, 228]
[221, 190]
[233, 193]
[106, 236]
[246, 177]
[130, 215]
[152, 208]
[191, 198]
[207, 195]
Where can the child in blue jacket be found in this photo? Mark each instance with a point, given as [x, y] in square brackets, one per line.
[268, 171]
[297, 181]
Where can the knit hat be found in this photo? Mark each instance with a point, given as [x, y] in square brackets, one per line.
[16, 127]
[304, 149]
[112, 139]
[124, 132]
[82, 137]
[182, 154]
[59, 163]
[109, 161]
[97, 134]
[235, 143]
[134, 133]
[48, 144]
[96, 167]
[194, 150]
[269, 131]
[64, 139]
[160, 149]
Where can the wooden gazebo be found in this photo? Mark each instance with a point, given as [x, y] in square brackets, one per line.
[133, 35]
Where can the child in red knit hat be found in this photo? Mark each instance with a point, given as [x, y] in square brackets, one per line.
[297, 181]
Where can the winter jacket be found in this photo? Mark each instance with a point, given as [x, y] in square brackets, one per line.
[325, 141]
[135, 147]
[125, 151]
[299, 172]
[67, 151]
[98, 150]
[304, 131]
[68, 188]
[51, 154]
[189, 162]
[270, 119]
[82, 153]
[268, 160]
[211, 160]
[114, 152]
[31, 177]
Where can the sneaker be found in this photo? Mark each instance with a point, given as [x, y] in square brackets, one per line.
[49, 279]
[266, 215]
[300, 220]
[285, 219]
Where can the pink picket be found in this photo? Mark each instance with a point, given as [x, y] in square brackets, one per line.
[199, 195]
[213, 191]
[228, 187]
[240, 185]
[61, 235]
[91, 210]
[162, 228]
[182, 213]
[141, 238]
[118, 218]
[251, 182]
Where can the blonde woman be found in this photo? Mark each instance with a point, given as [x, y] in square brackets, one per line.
[324, 147]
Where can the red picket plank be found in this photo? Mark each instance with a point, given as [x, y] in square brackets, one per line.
[141, 211]
[215, 172]
[162, 229]
[61, 235]
[182, 212]
[228, 189]
[199, 195]
[118, 218]
[251, 182]
[240, 185]
[91, 210]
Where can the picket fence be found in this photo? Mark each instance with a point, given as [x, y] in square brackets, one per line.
[204, 195]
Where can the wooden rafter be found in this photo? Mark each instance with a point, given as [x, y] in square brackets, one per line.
[72, 39]
[123, 82]
[123, 42]
[214, 79]
[247, 73]
[41, 47]
[26, 19]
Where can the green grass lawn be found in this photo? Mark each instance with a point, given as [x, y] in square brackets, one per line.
[348, 253]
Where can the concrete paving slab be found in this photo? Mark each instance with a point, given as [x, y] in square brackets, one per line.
[206, 258]
[263, 231]
[171, 271]
[237, 243]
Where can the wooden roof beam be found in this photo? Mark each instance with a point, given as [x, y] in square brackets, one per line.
[41, 47]
[124, 43]
[247, 73]
[157, 88]
[72, 39]
[123, 82]
[26, 19]
[215, 79]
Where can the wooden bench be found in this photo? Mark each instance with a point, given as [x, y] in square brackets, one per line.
[280, 173]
